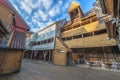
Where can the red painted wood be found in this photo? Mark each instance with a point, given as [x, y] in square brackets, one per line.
[18, 20]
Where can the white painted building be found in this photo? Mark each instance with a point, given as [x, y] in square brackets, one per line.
[44, 39]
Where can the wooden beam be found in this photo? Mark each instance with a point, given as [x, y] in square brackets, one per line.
[50, 56]
[35, 54]
[32, 54]
[45, 54]
[10, 39]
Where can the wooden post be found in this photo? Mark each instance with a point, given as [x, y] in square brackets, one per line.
[50, 56]
[35, 54]
[40, 55]
[45, 54]
[32, 53]
[10, 39]
[105, 55]
[28, 54]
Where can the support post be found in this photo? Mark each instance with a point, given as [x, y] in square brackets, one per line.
[45, 54]
[35, 54]
[50, 56]
[32, 53]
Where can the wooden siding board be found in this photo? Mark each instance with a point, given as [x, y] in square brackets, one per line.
[11, 61]
[60, 58]
[84, 29]
[92, 41]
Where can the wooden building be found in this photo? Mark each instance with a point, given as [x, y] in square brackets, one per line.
[12, 38]
[84, 39]
[88, 38]
[42, 45]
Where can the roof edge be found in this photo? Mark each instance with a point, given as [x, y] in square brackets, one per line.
[18, 14]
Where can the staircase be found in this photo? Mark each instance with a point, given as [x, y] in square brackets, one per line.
[64, 44]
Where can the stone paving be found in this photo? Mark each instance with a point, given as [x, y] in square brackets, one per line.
[37, 70]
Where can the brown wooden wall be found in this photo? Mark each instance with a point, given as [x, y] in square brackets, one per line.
[10, 61]
[84, 29]
[92, 41]
[5, 15]
[60, 53]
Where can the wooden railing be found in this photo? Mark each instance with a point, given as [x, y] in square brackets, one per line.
[85, 35]
[43, 42]
[79, 24]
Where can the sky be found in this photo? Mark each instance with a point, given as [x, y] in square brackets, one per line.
[41, 13]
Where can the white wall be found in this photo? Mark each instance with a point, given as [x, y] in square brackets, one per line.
[47, 33]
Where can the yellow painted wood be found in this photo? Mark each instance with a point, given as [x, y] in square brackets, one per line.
[60, 52]
[73, 6]
[84, 29]
[92, 41]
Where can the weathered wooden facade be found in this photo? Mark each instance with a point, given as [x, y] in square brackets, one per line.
[82, 40]
[88, 38]
[12, 38]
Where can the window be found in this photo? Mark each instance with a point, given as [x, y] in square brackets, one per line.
[63, 39]
[49, 40]
[77, 36]
[52, 39]
[87, 34]
[44, 42]
[69, 38]
[39, 42]
[100, 32]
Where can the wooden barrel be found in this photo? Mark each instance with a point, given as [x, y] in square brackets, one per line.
[10, 60]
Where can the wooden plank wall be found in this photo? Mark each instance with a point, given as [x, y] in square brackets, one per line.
[5, 15]
[11, 61]
[92, 41]
[83, 29]
[60, 53]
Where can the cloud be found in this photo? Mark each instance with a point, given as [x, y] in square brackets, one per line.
[41, 13]
[25, 7]
[35, 29]
[46, 3]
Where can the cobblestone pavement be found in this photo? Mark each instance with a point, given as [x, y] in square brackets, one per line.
[36, 70]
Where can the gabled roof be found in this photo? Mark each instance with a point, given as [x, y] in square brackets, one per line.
[19, 20]
[73, 5]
